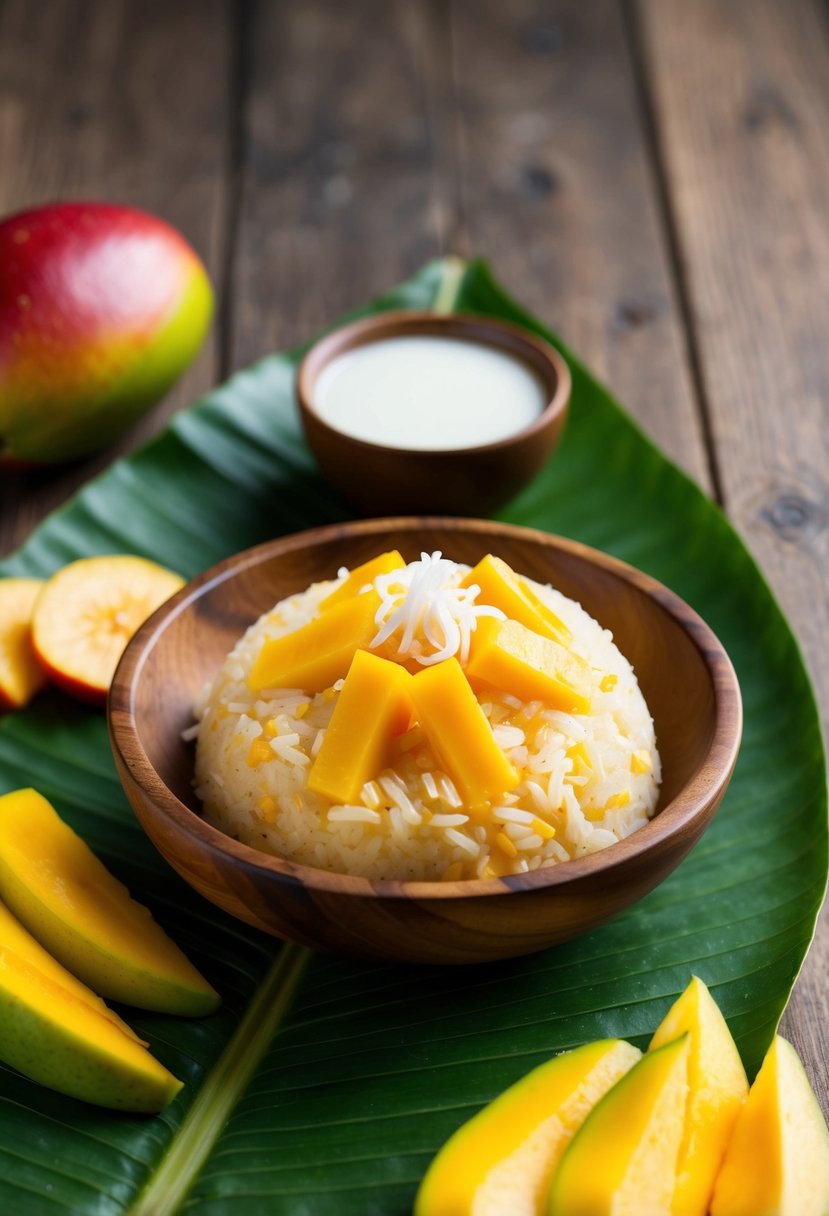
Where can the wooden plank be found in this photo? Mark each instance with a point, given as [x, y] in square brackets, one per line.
[344, 188]
[740, 89]
[558, 193]
[125, 100]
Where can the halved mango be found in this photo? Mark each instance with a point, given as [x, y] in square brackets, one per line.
[21, 675]
[502, 1160]
[373, 708]
[622, 1161]
[459, 733]
[52, 1036]
[511, 657]
[361, 576]
[81, 914]
[314, 656]
[777, 1163]
[717, 1089]
[501, 587]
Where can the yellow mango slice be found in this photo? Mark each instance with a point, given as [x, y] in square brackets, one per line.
[502, 588]
[717, 1089]
[777, 1162]
[459, 733]
[511, 657]
[360, 576]
[82, 915]
[502, 1160]
[56, 1038]
[14, 937]
[313, 657]
[21, 676]
[373, 708]
[622, 1160]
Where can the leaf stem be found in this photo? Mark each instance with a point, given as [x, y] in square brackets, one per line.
[223, 1087]
[452, 271]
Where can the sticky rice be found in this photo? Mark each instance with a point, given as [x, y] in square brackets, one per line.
[586, 780]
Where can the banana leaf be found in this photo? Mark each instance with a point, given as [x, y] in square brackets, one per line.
[324, 1085]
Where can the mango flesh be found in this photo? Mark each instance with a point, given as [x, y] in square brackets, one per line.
[502, 1160]
[717, 1089]
[21, 676]
[59, 1040]
[82, 915]
[361, 576]
[373, 708]
[102, 307]
[622, 1161]
[509, 656]
[460, 734]
[315, 656]
[501, 587]
[777, 1162]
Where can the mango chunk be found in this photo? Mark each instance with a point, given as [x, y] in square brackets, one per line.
[717, 1089]
[56, 886]
[777, 1162]
[509, 656]
[360, 576]
[503, 1159]
[313, 657]
[59, 1039]
[21, 676]
[373, 708]
[459, 733]
[502, 588]
[622, 1160]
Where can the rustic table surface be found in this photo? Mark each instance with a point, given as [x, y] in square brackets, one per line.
[650, 177]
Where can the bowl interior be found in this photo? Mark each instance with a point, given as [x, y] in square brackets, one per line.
[183, 645]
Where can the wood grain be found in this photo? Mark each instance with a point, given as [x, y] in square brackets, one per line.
[342, 192]
[740, 92]
[128, 103]
[685, 676]
[558, 193]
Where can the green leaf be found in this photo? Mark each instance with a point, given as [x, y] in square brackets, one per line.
[324, 1086]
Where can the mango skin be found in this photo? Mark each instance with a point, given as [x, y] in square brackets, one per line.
[102, 307]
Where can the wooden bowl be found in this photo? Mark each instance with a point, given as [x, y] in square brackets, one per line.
[380, 480]
[685, 674]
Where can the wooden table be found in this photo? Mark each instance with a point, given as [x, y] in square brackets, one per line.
[651, 177]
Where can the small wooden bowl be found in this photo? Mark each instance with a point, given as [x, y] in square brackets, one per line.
[685, 674]
[380, 480]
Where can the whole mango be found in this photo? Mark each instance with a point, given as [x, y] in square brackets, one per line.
[102, 307]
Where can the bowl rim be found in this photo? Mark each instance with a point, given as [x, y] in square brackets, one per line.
[698, 798]
[529, 347]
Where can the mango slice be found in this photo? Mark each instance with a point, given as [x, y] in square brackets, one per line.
[82, 915]
[502, 588]
[373, 708]
[622, 1161]
[54, 1037]
[511, 657]
[14, 937]
[313, 657]
[21, 676]
[717, 1089]
[502, 1160]
[86, 614]
[459, 733]
[360, 576]
[777, 1163]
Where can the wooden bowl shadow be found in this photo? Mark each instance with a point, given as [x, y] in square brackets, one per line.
[685, 674]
